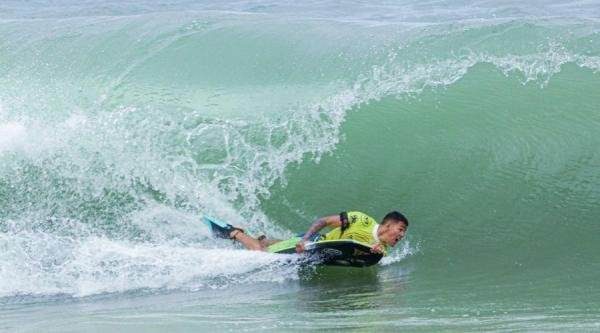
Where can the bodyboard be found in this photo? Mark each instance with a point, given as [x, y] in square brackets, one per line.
[218, 228]
[342, 252]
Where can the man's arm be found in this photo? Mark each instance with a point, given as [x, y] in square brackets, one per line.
[332, 221]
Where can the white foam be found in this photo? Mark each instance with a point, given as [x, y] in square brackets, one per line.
[12, 136]
[589, 62]
[398, 255]
[76, 120]
[164, 223]
[43, 263]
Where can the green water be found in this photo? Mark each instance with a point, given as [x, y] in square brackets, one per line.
[496, 228]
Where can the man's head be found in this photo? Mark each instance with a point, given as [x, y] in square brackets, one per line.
[392, 228]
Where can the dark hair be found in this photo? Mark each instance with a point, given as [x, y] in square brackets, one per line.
[396, 217]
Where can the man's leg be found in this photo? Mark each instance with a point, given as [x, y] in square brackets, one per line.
[249, 242]
[269, 242]
[262, 238]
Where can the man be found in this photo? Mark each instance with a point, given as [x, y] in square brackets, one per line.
[348, 225]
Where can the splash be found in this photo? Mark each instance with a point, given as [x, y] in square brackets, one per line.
[398, 255]
[12, 136]
[94, 265]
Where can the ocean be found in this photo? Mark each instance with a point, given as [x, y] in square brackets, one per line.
[123, 122]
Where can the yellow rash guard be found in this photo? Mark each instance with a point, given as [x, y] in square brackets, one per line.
[362, 228]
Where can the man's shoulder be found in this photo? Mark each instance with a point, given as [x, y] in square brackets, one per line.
[360, 217]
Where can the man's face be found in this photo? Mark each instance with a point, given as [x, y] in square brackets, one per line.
[393, 233]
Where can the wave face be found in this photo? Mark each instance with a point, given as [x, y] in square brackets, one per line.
[122, 122]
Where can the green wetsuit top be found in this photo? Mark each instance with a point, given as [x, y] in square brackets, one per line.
[362, 228]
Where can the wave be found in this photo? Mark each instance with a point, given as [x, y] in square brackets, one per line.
[117, 132]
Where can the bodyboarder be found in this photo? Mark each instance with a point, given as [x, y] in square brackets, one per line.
[353, 225]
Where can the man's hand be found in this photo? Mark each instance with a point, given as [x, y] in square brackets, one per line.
[300, 246]
[377, 248]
